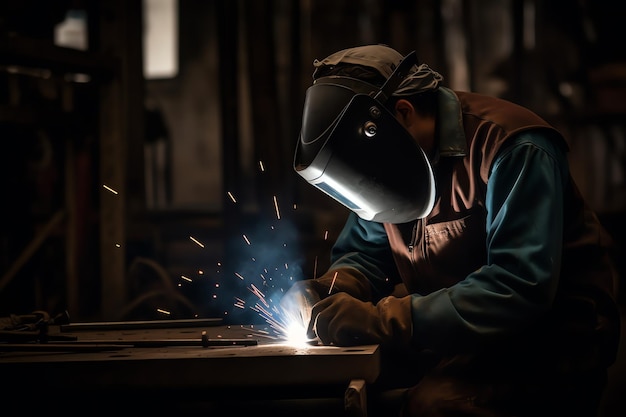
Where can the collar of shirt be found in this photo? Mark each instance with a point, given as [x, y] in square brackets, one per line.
[450, 137]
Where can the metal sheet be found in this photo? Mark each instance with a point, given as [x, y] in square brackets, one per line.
[270, 363]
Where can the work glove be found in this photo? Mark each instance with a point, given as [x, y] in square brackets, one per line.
[303, 295]
[343, 320]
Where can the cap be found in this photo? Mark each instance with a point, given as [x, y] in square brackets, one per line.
[380, 57]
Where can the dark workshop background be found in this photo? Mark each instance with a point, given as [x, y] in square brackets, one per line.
[133, 191]
[131, 186]
[127, 189]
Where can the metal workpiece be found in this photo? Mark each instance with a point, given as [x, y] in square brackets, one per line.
[186, 357]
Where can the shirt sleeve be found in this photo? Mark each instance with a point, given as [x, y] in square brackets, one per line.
[363, 245]
[518, 283]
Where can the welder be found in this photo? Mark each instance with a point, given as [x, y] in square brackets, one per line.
[468, 249]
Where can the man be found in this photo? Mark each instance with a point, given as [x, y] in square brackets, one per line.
[469, 250]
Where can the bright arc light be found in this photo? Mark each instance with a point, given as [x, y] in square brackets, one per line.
[295, 334]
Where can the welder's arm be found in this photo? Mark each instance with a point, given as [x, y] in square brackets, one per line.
[524, 247]
[361, 266]
[363, 248]
[343, 320]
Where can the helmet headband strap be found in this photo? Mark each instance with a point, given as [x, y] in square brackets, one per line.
[396, 77]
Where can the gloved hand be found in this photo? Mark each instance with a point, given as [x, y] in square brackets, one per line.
[297, 302]
[343, 320]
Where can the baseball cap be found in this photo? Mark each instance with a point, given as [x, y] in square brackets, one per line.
[381, 57]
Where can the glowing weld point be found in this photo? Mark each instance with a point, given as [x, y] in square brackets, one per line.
[106, 187]
[295, 334]
[232, 197]
[196, 241]
[246, 239]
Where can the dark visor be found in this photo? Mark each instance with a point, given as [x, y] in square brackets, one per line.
[318, 119]
[353, 148]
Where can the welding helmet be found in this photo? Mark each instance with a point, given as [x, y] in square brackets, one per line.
[352, 148]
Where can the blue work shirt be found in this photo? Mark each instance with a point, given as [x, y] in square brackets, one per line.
[512, 268]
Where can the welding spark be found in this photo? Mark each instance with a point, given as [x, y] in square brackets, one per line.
[333, 282]
[239, 275]
[163, 311]
[186, 278]
[259, 294]
[262, 333]
[232, 197]
[239, 303]
[196, 241]
[257, 291]
[109, 188]
[285, 326]
[261, 166]
[246, 239]
[276, 207]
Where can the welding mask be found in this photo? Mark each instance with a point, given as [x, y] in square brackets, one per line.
[353, 149]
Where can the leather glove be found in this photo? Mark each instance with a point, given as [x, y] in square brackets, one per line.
[343, 320]
[297, 302]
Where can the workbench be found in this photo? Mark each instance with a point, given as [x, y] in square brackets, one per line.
[183, 368]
